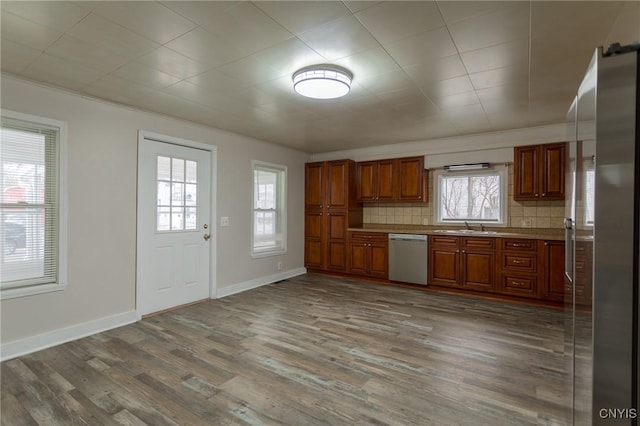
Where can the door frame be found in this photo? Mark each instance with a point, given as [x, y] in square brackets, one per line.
[213, 150]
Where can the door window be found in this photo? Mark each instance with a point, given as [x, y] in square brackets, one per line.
[177, 194]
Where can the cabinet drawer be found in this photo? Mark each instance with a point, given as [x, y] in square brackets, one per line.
[513, 244]
[519, 262]
[481, 243]
[369, 236]
[519, 283]
[443, 240]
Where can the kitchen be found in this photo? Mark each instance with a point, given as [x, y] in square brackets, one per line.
[435, 84]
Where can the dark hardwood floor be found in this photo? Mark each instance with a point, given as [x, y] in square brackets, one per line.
[312, 350]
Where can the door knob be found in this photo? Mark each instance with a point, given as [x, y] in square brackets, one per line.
[206, 237]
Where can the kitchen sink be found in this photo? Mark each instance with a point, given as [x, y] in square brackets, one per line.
[465, 231]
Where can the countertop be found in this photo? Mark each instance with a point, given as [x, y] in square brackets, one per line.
[525, 233]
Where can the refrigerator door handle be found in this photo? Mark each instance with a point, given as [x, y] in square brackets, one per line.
[568, 248]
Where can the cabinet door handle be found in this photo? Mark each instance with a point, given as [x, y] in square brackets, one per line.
[536, 195]
[457, 251]
[320, 213]
[463, 251]
[518, 283]
[546, 243]
[544, 194]
[517, 262]
[517, 245]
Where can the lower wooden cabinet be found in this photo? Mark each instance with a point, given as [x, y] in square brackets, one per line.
[462, 262]
[368, 254]
[555, 287]
[519, 267]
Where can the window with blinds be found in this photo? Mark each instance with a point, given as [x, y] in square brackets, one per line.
[29, 206]
[269, 214]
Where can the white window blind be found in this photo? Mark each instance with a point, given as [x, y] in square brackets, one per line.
[269, 215]
[29, 204]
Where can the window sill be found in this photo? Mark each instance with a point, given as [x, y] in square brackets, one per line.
[13, 293]
[269, 253]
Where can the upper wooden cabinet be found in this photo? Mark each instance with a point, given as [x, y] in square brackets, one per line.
[539, 172]
[394, 180]
[376, 180]
[328, 185]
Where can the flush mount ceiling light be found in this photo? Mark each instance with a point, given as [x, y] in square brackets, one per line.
[322, 81]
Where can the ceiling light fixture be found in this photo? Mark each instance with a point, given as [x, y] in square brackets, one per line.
[322, 81]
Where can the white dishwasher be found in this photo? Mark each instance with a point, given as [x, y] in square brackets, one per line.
[408, 258]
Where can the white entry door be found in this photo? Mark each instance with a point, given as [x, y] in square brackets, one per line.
[174, 227]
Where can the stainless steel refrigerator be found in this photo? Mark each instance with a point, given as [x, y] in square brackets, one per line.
[602, 242]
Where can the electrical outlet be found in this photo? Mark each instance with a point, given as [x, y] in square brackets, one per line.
[224, 221]
[279, 266]
[425, 220]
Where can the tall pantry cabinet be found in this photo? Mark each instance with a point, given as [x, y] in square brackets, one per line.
[330, 209]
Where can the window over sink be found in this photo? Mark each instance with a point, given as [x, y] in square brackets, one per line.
[476, 196]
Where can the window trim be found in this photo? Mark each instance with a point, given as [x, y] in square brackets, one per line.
[281, 201]
[502, 170]
[62, 146]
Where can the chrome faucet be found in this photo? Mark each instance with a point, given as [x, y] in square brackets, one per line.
[482, 227]
[466, 224]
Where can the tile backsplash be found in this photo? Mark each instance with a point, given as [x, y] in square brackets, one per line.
[522, 214]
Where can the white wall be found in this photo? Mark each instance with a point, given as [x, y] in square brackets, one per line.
[102, 161]
[493, 147]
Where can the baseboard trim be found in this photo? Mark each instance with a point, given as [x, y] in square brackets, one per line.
[38, 342]
[258, 282]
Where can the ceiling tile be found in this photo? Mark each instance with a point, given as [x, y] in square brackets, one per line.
[249, 71]
[366, 65]
[422, 48]
[389, 82]
[172, 63]
[150, 19]
[206, 48]
[453, 11]
[452, 86]
[117, 89]
[208, 97]
[489, 29]
[391, 21]
[60, 72]
[500, 76]
[498, 98]
[145, 76]
[456, 101]
[498, 56]
[436, 70]
[56, 15]
[358, 5]
[289, 56]
[626, 29]
[339, 38]
[27, 33]
[217, 80]
[109, 35]
[301, 16]
[78, 51]
[15, 57]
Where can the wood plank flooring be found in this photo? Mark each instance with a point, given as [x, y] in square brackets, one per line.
[312, 350]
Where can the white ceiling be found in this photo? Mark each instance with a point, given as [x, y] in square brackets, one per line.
[422, 69]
